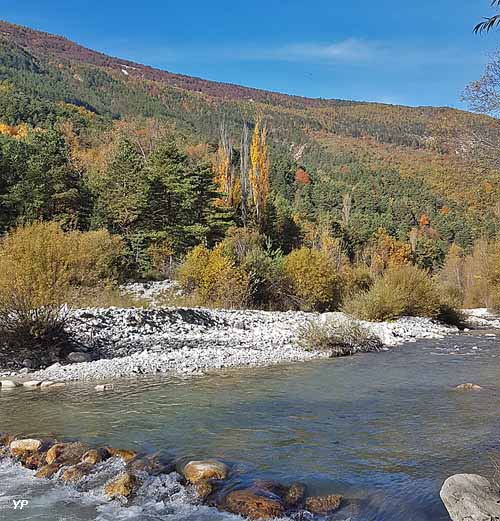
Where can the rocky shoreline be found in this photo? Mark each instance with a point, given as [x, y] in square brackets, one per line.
[120, 475]
[111, 343]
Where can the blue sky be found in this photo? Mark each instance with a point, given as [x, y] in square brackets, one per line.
[393, 51]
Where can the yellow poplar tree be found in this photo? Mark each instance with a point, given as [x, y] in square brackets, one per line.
[259, 170]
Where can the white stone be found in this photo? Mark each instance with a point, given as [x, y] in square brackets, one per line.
[27, 445]
[32, 383]
[9, 384]
[469, 497]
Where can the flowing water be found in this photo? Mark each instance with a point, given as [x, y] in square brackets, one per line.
[382, 429]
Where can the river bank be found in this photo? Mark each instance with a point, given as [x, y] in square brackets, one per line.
[113, 343]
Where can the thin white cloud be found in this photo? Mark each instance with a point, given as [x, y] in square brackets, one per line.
[350, 51]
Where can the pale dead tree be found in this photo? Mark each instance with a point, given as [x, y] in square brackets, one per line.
[225, 175]
[346, 209]
[413, 238]
[244, 167]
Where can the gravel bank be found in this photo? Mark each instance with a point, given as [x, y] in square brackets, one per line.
[190, 341]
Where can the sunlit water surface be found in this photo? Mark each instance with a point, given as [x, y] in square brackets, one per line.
[382, 429]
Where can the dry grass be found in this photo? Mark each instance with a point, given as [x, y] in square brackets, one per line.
[339, 338]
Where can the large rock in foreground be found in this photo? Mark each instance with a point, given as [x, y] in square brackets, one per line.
[195, 471]
[469, 497]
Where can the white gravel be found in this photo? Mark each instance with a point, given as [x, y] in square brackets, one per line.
[191, 341]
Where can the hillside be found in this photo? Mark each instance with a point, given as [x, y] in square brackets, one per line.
[398, 163]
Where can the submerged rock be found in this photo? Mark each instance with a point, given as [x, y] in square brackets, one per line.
[152, 465]
[469, 497]
[295, 494]
[251, 504]
[323, 505]
[122, 486]
[125, 455]
[94, 456]
[76, 472]
[195, 471]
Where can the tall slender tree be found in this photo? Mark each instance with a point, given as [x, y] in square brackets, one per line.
[244, 181]
[259, 171]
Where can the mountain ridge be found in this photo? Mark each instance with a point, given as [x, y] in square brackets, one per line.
[426, 154]
[68, 49]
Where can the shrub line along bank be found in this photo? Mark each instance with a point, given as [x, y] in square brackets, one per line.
[130, 342]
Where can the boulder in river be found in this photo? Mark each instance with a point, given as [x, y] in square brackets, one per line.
[468, 387]
[195, 471]
[122, 486]
[18, 447]
[469, 497]
[252, 505]
[66, 453]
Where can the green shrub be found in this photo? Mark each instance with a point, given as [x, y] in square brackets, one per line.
[402, 291]
[313, 279]
[339, 338]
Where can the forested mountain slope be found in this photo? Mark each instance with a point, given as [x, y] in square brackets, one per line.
[368, 165]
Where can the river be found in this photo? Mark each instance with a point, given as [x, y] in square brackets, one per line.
[382, 429]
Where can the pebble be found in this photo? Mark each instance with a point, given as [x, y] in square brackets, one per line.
[104, 387]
